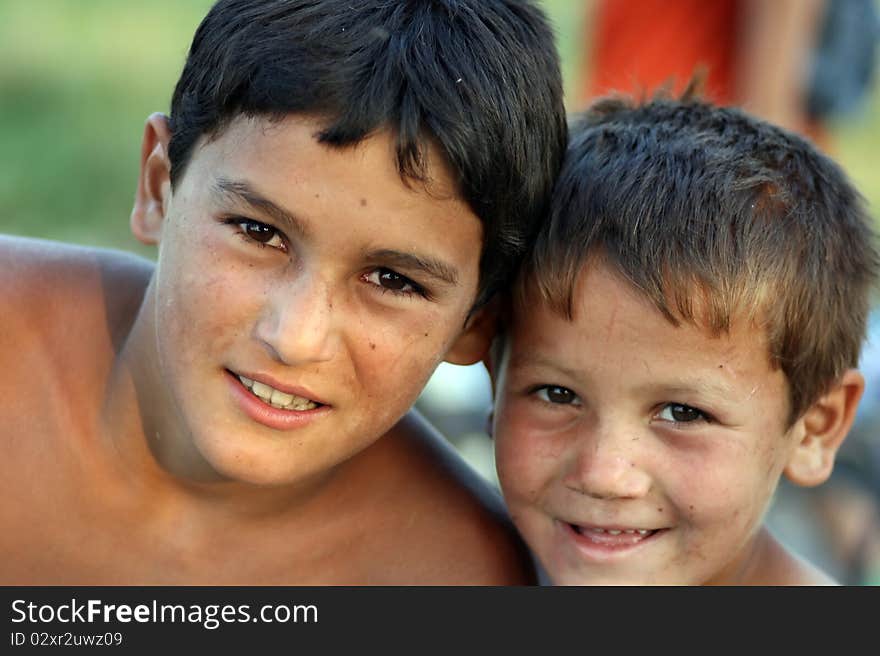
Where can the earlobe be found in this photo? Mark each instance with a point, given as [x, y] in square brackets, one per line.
[154, 181]
[822, 430]
[473, 344]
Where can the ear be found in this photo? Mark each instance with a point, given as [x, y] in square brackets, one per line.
[822, 429]
[154, 181]
[473, 344]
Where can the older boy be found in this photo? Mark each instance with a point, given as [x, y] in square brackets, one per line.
[686, 333]
[339, 189]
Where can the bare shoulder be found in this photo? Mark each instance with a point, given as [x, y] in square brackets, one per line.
[458, 528]
[51, 285]
[802, 572]
[779, 566]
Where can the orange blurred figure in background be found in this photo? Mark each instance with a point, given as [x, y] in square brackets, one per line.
[754, 53]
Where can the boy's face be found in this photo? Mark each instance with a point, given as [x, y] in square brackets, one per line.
[634, 452]
[316, 272]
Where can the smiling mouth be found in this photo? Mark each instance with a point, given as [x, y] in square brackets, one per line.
[277, 398]
[614, 537]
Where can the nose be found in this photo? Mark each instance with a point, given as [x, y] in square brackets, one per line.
[296, 325]
[607, 464]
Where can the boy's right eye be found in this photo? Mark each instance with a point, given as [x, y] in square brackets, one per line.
[557, 395]
[261, 233]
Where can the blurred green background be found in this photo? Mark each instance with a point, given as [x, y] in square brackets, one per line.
[78, 78]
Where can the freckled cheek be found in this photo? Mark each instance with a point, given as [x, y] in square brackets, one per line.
[543, 436]
[526, 459]
[719, 501]
[394, 363]
[207, 305]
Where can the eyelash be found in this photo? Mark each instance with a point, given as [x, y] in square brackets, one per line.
[242, 224]
[543, 393]
[415, 289]
[701, 418]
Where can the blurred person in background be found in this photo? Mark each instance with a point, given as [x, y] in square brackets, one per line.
[793, 62]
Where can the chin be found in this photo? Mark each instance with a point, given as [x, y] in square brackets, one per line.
[250, 467]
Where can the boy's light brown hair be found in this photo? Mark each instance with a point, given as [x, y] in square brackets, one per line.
[714, 214]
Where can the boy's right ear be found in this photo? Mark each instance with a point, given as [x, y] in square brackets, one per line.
[154, 181]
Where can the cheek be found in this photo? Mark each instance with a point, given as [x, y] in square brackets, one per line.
[203, 301]
[527, 459]
[522, 427]
[727, 493]
[393, 361]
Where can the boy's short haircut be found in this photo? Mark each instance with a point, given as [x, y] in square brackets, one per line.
[714, 214]
[479, 78]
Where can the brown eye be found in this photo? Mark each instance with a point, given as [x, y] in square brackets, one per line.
[259, 232]
[680, 413]
[558, 395]
[684, 413]
[386, 280]
[393, 281]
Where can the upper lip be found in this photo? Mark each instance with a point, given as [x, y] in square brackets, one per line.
[295, 390]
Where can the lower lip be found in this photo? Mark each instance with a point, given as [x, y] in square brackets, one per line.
[267, 415]
[606, 546]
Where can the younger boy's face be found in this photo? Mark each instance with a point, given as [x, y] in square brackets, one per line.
[631, 451]
[317, 273]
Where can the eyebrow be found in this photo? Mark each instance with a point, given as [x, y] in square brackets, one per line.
[715, 390]
[538, 360]
[241, 191]
[409, 261]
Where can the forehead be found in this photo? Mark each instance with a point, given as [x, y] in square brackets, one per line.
[256, 142]
[353, 195]
[616, 329]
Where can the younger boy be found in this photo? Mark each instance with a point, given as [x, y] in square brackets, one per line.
[340, 187]
[684, 334]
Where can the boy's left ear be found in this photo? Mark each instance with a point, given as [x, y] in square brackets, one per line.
[473, 343]
[822, 429]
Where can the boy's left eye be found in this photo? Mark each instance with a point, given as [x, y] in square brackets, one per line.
[391, 281]
[680, 413]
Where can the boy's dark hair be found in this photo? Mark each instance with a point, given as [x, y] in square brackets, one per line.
[713, 214]
[479, 78]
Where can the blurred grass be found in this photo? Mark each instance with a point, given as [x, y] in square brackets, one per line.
[78, 78]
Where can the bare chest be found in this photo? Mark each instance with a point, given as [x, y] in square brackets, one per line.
[59, 529]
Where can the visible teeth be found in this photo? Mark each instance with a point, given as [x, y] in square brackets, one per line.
[615, 531]
[262, 390]
[277, 398]
[280, 399]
